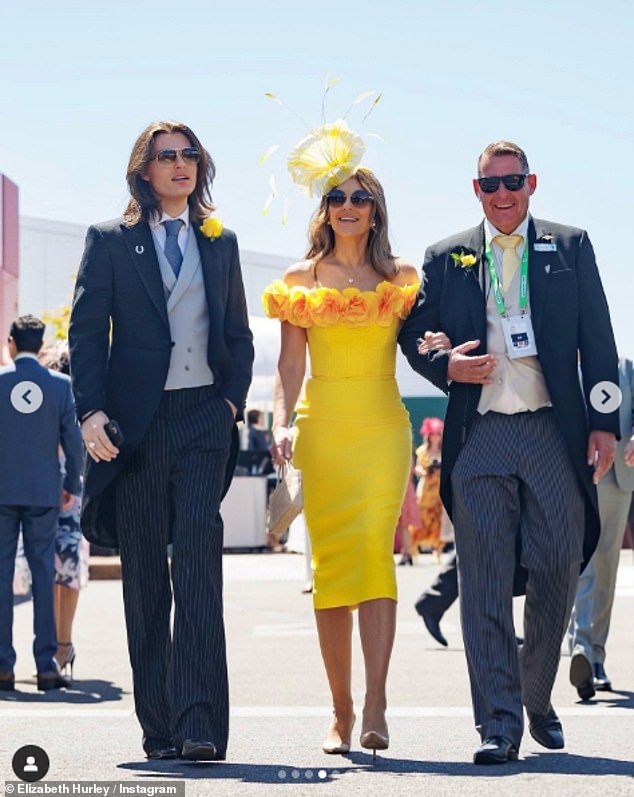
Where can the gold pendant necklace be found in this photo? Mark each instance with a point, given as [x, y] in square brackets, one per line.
[352, 279]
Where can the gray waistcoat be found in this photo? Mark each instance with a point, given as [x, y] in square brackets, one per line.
[188, 315]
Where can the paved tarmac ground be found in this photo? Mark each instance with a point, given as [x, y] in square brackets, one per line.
[280, 704]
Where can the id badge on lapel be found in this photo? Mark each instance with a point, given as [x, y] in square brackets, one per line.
[519, 336]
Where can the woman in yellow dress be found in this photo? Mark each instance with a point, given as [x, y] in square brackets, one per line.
[345, 302]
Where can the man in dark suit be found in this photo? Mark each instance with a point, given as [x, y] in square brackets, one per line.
[37, 415]
[521, 454]
[590, 620]
[438, 597]
[257, 438]
[160, 342]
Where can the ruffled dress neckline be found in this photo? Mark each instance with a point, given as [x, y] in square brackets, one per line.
[321, 306]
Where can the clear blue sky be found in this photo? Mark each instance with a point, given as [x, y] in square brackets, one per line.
[78, 81]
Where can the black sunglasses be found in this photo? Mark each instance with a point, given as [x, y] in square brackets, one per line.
[512, 182]
[168, 156]
[358, 198]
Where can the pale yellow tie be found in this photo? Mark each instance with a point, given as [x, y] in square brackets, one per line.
[510, 261]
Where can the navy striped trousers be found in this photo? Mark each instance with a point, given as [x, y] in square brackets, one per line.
[514, 476]
[170, 492]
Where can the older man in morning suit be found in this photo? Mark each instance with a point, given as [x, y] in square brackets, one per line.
[590, 620]
[160, 342]
[37, 415]
[521, 454]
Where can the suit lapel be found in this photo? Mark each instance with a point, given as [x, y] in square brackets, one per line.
[140, 245]
[539, 268]
[476, 280]
[211, 263]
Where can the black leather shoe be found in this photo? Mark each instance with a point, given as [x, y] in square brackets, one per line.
[199, 750]
[546, 729]
[433, 626]
[158, 749]
[581, 676]
[495, 750]
[52, 679]
[600, 679]
[7, 682]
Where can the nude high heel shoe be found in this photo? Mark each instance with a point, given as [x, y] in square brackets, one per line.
[331, 745]
[373, 740]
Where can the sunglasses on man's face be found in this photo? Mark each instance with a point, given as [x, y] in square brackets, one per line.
[512, 182]
[167, 157]
[337, 199]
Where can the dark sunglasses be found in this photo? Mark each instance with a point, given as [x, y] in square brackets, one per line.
[359, 198]
[512, 182]
[168, 156]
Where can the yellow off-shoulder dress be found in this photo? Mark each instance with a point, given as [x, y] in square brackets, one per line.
[353, 441]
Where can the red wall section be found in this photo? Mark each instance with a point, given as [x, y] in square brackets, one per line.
[9, 260]
[10, 227]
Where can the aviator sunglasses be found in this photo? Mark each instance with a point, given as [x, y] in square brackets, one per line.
[167, 157]
[336, 199]
[512, 182]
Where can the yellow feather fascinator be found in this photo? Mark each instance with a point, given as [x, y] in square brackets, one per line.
[326, 156]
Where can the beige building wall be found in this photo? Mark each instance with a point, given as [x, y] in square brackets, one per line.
[50, 252]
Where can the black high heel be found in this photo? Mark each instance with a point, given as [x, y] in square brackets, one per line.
[69, 658]
[406, 559]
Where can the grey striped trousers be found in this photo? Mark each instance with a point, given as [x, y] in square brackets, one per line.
[514, 476]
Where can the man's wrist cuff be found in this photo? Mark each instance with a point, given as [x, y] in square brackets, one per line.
[87, 415]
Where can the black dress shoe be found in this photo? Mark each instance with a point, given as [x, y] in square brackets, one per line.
[158, 749]
[433, 626]
[581, 676]
[199, 750]
[7, 682]
[52, 679]
[600, 679]
[546, 729]
[163, 753]
[495, 750]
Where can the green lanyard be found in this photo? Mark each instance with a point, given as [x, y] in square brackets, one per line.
[495, 282]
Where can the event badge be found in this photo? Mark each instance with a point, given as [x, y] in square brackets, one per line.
[519, 336]
[517, 329]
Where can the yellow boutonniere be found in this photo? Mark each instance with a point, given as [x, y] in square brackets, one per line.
[211, 228]
[464, 259]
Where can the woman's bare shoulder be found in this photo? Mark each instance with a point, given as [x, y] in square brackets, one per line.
[407, 272]
[300, 273]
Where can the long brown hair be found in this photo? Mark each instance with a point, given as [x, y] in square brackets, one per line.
[322, 239]
[143, 200]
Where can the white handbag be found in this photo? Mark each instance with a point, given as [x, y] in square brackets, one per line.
[286, 500]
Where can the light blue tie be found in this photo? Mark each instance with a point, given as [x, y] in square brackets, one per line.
[172, 249]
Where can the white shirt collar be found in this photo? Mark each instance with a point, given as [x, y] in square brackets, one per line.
[490, 231]
[156, 219]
